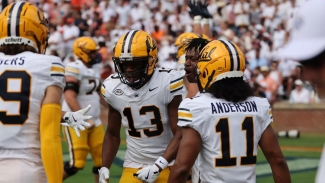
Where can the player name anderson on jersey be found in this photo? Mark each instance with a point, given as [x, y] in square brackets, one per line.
[226, 107]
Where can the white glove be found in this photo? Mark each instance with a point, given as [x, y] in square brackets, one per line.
[77, 120]
[148, 174]
[103, 175]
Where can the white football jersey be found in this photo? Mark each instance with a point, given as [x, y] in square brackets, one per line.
[89, 79]
[23, 81]
[180, 68]
[144, 113]
[230, 133]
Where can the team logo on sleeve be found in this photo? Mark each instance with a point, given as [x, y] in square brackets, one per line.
[118, 92]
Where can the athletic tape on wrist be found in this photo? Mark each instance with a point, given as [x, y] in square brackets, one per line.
[197, 19]
[206, 21]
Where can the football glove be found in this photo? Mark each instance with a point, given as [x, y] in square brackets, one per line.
[204, 10]
[151, 173]
[103, 175]
[77, 120]
[195, 10]
[148, 174]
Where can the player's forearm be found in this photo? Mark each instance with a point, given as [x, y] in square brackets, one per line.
[102, 101]
[110, 148]
[206, 29]
[172, 148]
[73, 103]
[178, 174]
[280, 171]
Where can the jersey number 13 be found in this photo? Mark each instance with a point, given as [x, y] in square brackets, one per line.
[155, 121]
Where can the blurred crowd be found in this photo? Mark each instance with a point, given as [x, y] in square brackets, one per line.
[259, 27]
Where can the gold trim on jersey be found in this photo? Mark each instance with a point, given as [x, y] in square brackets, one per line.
[102, 89]
[184, 115]
[72, 70]
[57, 69]
[176, 85]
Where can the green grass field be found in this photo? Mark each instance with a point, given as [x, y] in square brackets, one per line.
[302, 156]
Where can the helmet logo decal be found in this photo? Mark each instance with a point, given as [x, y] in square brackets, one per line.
[206, 55]
[153, 43]
[81, 44]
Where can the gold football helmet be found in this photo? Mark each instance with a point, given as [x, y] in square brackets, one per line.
[135, 57]
[85, 49]
[219, 59]
[181, 42]
[204, 36]
[23, 23]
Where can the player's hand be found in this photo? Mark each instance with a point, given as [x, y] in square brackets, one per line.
[204, 10]
[103, 175]
[77, 120]
[193, 4]
[148, 174]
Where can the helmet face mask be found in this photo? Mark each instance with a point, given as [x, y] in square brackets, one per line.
[94, 57]
[132, 72]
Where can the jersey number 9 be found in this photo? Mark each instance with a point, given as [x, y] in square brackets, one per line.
[14, 94]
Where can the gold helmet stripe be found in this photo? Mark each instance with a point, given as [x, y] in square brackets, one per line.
[14, 16]
[128, 41]
[233, 54]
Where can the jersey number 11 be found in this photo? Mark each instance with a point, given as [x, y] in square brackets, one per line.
[222, 127]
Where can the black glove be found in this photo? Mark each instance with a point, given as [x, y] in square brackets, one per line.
[204, 10]
[194, 8]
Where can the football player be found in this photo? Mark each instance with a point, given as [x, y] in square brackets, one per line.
[225, 124]
[31, 85]
[82, 88]
[198, 10]
[145, 101]
[309, 32]
[192, 50]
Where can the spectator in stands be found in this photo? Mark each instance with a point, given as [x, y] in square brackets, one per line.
[157, 34]
[271, 84]
[55, 41]
[81, 23]
[277, 77]
[299, 94]
[103, 50]
[70, 33]
[258, 61]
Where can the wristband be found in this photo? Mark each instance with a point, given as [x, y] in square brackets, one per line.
[162, 162]
[197, 19]
[206, 21]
